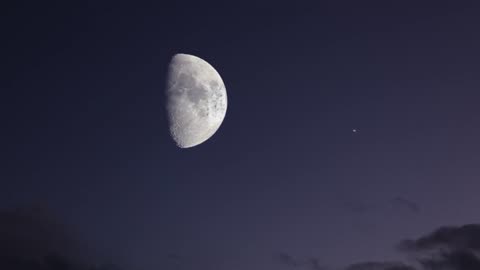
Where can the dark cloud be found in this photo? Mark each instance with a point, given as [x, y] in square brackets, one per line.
[379, 266]
[31, 238]
[314, 264]
[287, 259]
[406, 204]
[452, 238]
[357, 207]
[454, 260]
[450, 248]
[447, 248]
[397, 204]
[33, 233]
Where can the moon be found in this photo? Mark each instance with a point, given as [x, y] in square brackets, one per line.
[196, 100]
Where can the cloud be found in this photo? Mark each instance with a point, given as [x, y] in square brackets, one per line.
[446, 248]
[357, 207]
[310, 263]
[452, 238]
[33, 233]
[287, 259]
[455, 260]
[396, 204]
[406, 204]
[315, 264]
[31, 238]
[379, 266]
[449, 248]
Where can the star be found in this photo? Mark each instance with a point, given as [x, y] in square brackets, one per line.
[354, 130]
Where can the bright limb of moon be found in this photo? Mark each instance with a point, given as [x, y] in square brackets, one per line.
[196, 100]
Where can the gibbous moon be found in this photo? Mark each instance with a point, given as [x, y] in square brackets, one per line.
[196, 100]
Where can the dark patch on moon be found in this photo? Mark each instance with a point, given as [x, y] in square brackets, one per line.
[196, 93]
[183, 82]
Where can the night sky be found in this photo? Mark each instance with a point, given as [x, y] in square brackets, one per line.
[284, 183]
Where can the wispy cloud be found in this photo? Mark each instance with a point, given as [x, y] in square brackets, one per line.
[407, 204]
[287, 259]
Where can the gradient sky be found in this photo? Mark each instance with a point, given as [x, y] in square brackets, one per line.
[85, 135]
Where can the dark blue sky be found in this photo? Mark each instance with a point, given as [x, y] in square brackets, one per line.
[85, 133]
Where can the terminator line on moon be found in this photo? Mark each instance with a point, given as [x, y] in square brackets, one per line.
[196, 100]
